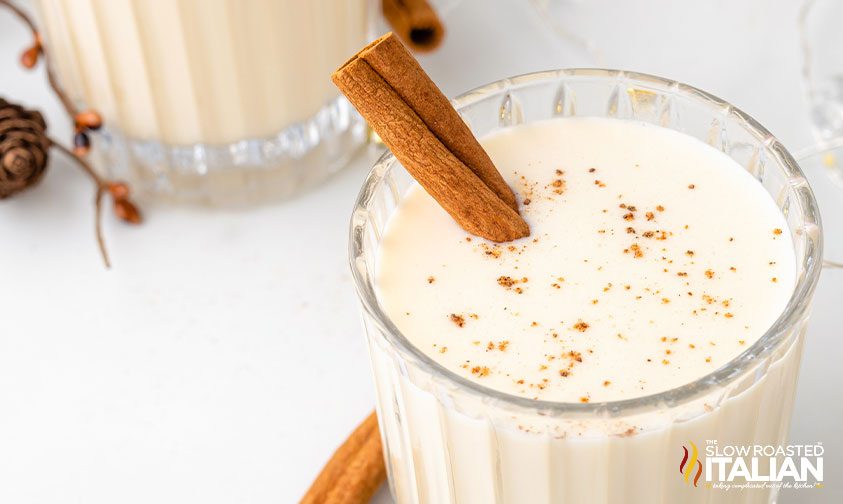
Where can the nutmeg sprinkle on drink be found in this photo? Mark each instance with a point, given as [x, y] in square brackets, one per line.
[615, 292]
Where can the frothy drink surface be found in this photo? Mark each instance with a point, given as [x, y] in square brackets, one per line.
[654, 259]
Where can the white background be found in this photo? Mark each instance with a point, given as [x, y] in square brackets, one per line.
[221, 360]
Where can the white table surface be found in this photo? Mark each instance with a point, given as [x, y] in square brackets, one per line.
[221, 360]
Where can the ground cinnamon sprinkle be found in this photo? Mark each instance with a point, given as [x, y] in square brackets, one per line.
[574, 355]
[709, 273]
[509, 283]
[506, 281]
[459, 320]
[480, 371]
[581, 326]
[431, 279]
[493, 251]
[635, 249]
[650, 216]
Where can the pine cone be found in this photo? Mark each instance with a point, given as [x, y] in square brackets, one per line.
[23, 148]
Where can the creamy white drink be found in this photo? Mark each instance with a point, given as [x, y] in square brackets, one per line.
[654, 260]
[212, 100]
[209, 71]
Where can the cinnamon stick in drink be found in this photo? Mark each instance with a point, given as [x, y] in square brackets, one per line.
[415, 120]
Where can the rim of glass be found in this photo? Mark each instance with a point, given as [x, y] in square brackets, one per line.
[810, 262]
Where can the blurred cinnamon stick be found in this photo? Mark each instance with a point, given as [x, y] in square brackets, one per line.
[355, 471]
[415, 22]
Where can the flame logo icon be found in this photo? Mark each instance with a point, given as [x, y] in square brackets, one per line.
[689, 463]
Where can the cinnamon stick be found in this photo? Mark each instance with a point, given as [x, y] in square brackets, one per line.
[415, 22]
[388, 57]
[415, 120]
[355, 471]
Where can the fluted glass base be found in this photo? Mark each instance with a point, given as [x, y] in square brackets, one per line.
[246, 172]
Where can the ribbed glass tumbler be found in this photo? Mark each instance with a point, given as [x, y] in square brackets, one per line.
[450, 440]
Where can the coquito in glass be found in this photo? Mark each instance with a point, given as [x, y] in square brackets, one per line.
[659, 302]
[215, 101]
